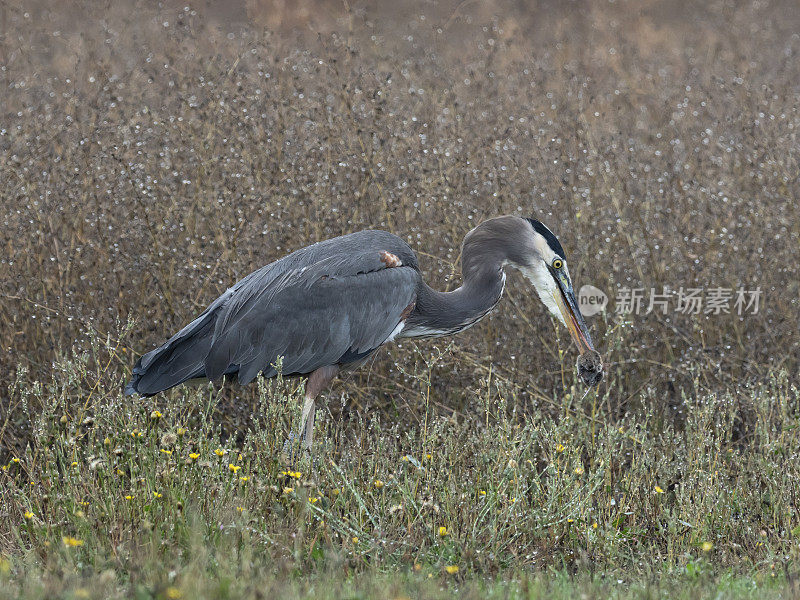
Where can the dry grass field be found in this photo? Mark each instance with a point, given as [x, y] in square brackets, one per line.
[150, 156]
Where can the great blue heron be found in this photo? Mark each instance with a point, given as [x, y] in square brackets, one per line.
[333, 304]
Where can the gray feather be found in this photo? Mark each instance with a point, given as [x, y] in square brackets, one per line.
[312, 307]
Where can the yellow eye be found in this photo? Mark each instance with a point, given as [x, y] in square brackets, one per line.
[557, 263]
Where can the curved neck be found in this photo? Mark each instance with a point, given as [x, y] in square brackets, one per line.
[485, 251]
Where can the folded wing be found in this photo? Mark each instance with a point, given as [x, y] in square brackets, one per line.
[312, 310]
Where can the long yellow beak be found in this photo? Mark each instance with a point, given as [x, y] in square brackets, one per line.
[565, 300]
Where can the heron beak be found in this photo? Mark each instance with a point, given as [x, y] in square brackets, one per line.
[568, 305]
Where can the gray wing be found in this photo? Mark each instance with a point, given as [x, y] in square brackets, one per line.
[341, 306]
[333, 302]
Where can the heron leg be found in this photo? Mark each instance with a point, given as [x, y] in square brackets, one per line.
[317, 381]
[307, 423]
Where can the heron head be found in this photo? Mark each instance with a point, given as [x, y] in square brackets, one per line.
[545, 264]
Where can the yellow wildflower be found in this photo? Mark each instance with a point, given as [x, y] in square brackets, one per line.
[173, 593]
[194, 456]
[594, 525]
[155, 415]
[240, 508]
[451, 569]
[292, 474]
[107, 441]
[232, 467]
[244, 479]
[442, 531]
[482, 492]
[15, 460]
[659, 490]
[313, 500]
[707, 546]
[378, 483]
[428, 456]
[560, 448]
[355, 539]
[129, 497]
[219, 451]
[119, 472]
[28, 515]
[181, 431]
[71, 542]
[578, 471]
[74, 464]
[156, 495]
[288, 490]
[167, 452]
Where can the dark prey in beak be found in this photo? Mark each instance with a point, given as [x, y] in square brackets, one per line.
[590, 367]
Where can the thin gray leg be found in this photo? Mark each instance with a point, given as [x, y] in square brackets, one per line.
[307, 423]
[317, 381]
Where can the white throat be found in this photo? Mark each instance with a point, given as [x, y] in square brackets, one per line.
[545, 285]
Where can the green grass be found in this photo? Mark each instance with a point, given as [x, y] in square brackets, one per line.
[125, 496]
[260, 582]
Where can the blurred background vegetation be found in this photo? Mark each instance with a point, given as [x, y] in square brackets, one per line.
[151, 155]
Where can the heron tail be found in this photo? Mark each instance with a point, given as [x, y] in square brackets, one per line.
[179, 359]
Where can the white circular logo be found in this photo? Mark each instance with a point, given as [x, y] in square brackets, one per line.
[591, 300]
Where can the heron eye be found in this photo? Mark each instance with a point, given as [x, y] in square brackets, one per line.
[557, 263]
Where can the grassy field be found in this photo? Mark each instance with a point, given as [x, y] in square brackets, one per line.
[152, 498]
[151, 157]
